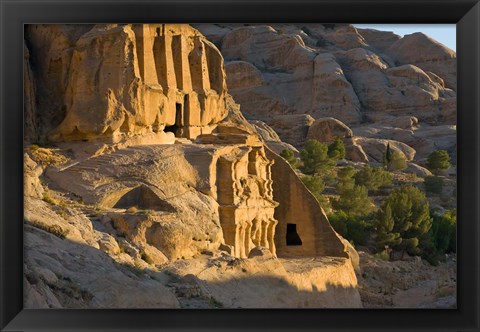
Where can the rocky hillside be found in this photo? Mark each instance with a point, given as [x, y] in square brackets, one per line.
[145, 187]
[377, 85]
[152, 169]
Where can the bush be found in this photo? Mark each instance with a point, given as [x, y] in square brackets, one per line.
[354, 201]
[442, 237]
[444, 232]
[345, 178]
[433, 184]
[355, 229]
[315, 158]
[289, 156]
[316, 186]
[336, 150]
[373, 178]
[404, 220]
[397, 162]
[438, 160]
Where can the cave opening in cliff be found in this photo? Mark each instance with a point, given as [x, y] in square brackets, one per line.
[178, 120]
[293, 239]
[143, 198]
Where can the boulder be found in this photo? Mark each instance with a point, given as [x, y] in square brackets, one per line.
[326, 130]
[260, 252]
[375, 148]
[418, 170]
[292, 129]
[354, 152]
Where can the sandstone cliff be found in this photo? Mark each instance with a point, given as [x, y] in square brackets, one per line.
[288, 75]
[150, 175]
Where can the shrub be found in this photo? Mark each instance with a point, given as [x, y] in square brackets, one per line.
[444, 232]
[315, 158]
[397, 162]
[289, 156]
[345, 178]
[373, 178]
[403, 220]
[354, 229]
[438, 160]
[316, 186]
[354, 201]
[433, 184]
[336, 150]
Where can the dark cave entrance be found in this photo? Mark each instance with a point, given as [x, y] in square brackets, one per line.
[178, 120]
[143, 198]
[293, 239]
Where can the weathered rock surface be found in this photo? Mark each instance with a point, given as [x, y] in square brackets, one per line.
[264, 281]
[421, 137]
[271, 138]
[375, 148]
[32, 172]
[271, 71]
[418, 170]
[434, 57]
[336, 70]
[292, 129]
[328, 129]
[116, 81]
[68, 274]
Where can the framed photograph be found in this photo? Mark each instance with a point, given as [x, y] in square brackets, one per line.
[226, 165]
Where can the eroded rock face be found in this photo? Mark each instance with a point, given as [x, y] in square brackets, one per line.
[336, 70]
[434, 56]
[231, 199]
[147, 204]
[292, 129]
[270, 72]
[116, 81]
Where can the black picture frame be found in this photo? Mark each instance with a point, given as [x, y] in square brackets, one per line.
[15, 13]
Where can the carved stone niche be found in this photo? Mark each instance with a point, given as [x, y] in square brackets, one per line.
[245, 196]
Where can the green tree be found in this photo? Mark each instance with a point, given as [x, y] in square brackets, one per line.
[438, 160]
[315, 158]
[433, 184]
[289, 156]
[345, 178]
[409, 210]
[373, 178]
[388, 155]
[355, 229]
[354, 201]
[386, 236]
[442, 237]
[336, 150]
[316, 186]
[397, 162]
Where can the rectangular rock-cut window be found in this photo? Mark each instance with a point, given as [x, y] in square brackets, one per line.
[293, 239]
